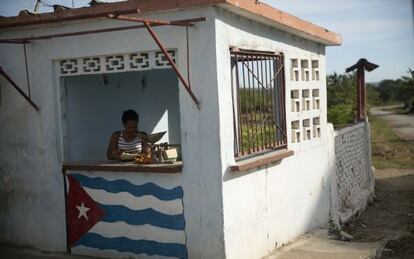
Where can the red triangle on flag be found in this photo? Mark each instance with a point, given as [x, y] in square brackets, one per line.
[83, 211]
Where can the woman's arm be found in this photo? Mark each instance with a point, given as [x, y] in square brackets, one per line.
[145, 145]
[113, 153]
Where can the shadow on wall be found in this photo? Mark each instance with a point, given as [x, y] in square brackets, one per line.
[255, 28]
[229, 175]
[92, 106]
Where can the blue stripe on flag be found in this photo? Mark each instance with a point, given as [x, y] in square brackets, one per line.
[115, 213]
[117, 186]
[123, 244]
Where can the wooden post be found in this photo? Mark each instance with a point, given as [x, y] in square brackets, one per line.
[361, 66]
[360, 93]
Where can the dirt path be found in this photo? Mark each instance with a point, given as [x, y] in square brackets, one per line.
[391, 215]
[402, 124]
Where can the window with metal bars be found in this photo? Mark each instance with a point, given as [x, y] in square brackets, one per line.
[258, 91]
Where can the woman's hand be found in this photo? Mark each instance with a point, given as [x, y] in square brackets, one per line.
[127, 156]
[116, 152]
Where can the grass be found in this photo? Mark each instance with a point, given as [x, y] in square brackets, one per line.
[264, 134]
[388, 150]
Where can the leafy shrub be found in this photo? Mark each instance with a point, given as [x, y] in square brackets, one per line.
[341, 98]
[341, 114]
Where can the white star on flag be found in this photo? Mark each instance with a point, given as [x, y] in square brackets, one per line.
[82, 211]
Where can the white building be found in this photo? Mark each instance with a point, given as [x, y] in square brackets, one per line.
[250, 179]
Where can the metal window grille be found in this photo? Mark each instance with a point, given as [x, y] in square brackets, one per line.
[258, 89]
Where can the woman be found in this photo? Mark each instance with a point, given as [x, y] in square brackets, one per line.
[125, 143]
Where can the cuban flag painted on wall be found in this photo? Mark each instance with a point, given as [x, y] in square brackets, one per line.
[118, 218]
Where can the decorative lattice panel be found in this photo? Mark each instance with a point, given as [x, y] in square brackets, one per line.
[139, 60]
[69, 66]
[115, 63]
[302, 65]
[305, 100]
[91, 65]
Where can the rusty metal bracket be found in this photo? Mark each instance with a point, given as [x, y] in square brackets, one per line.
[154, 23]
[147, 23]
[21, 92]
[187, 22]
[173, 65]
[27, 69]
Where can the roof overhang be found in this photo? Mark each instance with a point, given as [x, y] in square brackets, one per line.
[251, 9]
[276, 18]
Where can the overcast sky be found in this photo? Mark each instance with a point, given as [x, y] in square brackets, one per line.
[380, 30]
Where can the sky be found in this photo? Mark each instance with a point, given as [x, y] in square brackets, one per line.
[381, 31]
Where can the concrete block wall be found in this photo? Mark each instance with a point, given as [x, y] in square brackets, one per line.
[354, 176]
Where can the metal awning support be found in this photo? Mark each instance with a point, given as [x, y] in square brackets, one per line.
[187, 22]
[69, 34]
[174, 66]
[21, 92]
[361, 66]
[79, 33]
[148, 23]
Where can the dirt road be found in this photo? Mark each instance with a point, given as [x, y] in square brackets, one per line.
[402, 124]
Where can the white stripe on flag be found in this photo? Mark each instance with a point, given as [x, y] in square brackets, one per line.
[84, 250]
[144, 232]
[173, 207]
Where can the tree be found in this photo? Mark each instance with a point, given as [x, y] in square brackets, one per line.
[373, 96]
[341, 98]
[386, 89]
[342, 95]
[405, 90]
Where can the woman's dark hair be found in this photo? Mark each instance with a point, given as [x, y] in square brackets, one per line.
[129, 115]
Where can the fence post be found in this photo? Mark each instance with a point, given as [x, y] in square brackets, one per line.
[361, 66]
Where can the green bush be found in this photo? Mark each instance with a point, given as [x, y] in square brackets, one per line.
[341, 98]
[341, 114]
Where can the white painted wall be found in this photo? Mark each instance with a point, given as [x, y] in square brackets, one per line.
[269, 206]
[94, 109]
[32, 143]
